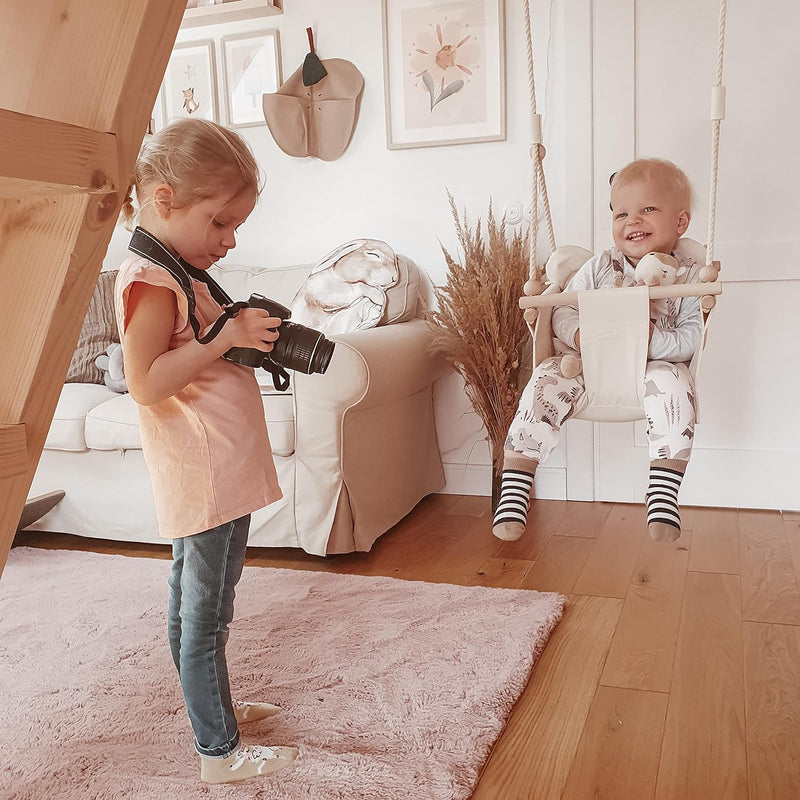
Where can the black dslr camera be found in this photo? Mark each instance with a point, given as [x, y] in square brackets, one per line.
[297, 347]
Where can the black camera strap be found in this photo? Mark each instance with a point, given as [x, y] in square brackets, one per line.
[146, 245]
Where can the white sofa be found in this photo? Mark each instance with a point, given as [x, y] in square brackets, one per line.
[355, 448]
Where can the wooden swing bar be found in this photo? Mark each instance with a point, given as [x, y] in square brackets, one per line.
[551, 300]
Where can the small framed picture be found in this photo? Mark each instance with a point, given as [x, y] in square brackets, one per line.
[190, 83]
[251, 66]
[444, 72]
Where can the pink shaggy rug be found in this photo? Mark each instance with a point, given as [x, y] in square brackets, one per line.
[391, 689]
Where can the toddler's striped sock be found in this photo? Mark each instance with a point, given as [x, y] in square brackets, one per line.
[663, 513]
[515, 497]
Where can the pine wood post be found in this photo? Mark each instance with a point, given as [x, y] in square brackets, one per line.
[80, 81]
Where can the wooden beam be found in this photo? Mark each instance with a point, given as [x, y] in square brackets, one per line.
[13, 450]
[71, 126]
[52, 154]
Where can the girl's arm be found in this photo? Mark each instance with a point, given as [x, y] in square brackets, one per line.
[154, 372]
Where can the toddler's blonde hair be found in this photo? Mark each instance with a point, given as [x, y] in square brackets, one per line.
[661, 170]
[198, 159]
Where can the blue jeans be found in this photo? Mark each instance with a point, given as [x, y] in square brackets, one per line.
[205, 569]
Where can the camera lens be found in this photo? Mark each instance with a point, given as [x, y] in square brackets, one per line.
[302, 349]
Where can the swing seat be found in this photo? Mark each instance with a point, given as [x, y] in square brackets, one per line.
[615, 329]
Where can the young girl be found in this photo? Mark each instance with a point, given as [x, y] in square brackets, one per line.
[201, 419]
[651, 208]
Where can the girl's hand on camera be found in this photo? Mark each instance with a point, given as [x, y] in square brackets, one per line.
[253, 327]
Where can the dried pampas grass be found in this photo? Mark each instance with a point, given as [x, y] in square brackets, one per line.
[478, 326]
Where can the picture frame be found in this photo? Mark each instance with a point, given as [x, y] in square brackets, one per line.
[157, 118]
[212, 12]
[444, 72]
[189, 88]
[251, 66]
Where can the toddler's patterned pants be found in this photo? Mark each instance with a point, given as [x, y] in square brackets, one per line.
[550, 399]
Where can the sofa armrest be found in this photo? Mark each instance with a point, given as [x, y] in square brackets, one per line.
[365, 446]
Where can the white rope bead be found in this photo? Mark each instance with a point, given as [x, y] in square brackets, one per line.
[536, 128]
[717, 102]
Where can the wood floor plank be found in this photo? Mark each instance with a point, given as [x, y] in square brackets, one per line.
[501, 573]
[471, 506]
[558, 565]
[792, 528]
[643, 649]
[66, 541]
[543, 519]
[704, 754]
[770, 590]
[772, 676]
[608, 570]
[459, 557]
[715, 541]
[687, 517]
[532, 759]
[584, 520]
[620, 721]
[436, 561]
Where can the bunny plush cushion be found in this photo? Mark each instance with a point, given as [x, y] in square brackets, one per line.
[351, 289]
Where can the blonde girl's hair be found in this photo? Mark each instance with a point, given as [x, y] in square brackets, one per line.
[198, 159]
[661, 170]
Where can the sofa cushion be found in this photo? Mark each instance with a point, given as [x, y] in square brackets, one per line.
[279, 413]
[113, 425]
[98, 332]
[67, 430]
[276, 284]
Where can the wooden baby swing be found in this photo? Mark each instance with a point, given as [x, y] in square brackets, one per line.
[614, 323]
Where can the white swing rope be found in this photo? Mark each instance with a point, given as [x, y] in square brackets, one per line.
[538, 182]
[717, 115]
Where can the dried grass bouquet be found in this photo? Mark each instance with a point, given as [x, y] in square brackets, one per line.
[478, 326]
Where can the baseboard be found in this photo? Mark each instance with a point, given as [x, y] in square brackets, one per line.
[476, 479]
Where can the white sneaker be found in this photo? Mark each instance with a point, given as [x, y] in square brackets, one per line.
[247, 761]
[252, 712]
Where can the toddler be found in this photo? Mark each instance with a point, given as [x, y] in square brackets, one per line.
[651, 208]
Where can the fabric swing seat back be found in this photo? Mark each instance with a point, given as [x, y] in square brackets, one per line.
[615, 329]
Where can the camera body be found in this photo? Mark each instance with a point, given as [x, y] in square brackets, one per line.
[298, 348]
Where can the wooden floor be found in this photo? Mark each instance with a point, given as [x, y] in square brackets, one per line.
[675, 672]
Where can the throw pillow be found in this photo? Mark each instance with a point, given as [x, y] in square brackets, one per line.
[403, 298]
[346, 291]
[98, 332]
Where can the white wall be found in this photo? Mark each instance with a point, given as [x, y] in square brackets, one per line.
[648, 87]
[628, 78]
